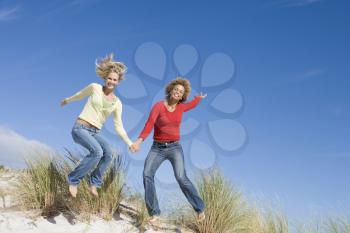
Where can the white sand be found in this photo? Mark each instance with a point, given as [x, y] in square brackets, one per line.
[12, 220]
[19, 222]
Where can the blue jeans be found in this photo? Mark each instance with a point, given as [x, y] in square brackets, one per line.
[174, 153]
[98, 159]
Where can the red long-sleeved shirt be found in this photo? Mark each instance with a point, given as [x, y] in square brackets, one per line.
[166, 124]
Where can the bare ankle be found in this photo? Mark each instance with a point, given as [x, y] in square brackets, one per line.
[93, 190]
[200, 216]
[73, 190]
[154, 218]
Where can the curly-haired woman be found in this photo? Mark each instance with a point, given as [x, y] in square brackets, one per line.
[165, 117]
[86, 131]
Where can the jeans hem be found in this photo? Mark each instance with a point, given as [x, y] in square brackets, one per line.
[95, 185]
[201, 211]
[73, 184]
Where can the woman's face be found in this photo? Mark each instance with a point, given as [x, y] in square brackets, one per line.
[112, 80]
[177, 92]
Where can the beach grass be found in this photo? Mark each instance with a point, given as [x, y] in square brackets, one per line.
[43, 186]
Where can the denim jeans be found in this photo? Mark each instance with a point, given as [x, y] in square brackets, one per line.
[98, 159]
[174, 153]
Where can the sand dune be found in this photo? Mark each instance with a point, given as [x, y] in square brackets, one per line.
[15, 220]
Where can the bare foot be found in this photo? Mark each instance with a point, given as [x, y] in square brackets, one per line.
[93, 191]
[154, 219]
[73, 190]
[200, 217]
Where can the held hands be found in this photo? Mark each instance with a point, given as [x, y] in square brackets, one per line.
[135, 147]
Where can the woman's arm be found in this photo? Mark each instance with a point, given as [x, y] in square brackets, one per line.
[150, 121]
[148, 126]
[118, 123]
[87, 91]
[193, 103]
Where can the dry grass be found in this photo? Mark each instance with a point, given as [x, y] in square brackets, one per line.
[226, 210]
[43, 186]
[2, 197]
[136, 209]
[337, 225]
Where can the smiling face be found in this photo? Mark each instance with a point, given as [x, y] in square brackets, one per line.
[177, 92]
[112, 80]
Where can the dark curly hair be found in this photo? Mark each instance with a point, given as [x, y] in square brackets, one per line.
[178, 81]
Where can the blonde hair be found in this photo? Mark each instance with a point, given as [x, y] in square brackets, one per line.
[107, 65]
[178, 81]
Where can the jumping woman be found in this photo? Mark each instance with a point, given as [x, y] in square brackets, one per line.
[86, 131]
[165, 117]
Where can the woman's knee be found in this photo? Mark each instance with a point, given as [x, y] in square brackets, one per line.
[148, 174]
[106, 148]
[107, 152]
[96, 152]
[181, 177]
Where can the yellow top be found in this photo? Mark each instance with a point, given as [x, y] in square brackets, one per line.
[96, 111]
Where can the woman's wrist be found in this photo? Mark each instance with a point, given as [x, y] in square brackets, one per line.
[139, 140]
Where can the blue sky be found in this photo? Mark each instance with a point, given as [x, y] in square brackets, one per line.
[290, 70]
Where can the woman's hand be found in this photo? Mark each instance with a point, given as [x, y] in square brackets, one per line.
[132, 148]
[202, 95]
[64, 102]
[135, 147]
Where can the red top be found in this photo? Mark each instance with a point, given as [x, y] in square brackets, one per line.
[166, 124]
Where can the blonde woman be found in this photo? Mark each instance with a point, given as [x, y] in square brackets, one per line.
[86, 131]
[165, 118]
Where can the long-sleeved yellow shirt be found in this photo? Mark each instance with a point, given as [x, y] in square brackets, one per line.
[96, 112]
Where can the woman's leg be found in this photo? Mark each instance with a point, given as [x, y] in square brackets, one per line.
[84, 137]
[152, 163]
[96, 177]
[176, 158]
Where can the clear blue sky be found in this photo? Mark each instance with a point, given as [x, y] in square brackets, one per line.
[291, 68]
